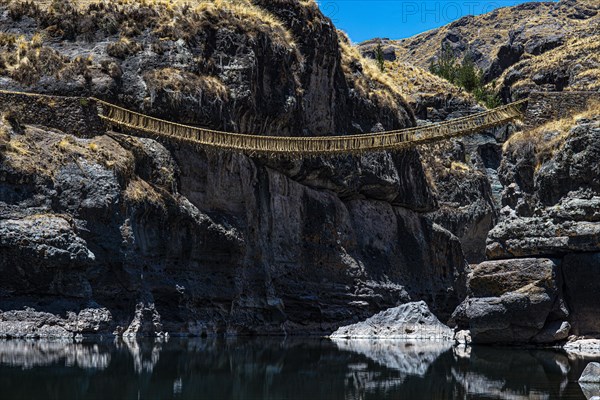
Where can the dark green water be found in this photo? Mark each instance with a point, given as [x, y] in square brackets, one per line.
[281, 369]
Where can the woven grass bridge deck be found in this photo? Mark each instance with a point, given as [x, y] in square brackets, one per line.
[308, 146]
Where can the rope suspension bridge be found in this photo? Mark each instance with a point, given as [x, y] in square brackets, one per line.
[139, 124]
[309, 146]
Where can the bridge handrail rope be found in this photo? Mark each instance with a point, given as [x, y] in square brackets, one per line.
[314, 145]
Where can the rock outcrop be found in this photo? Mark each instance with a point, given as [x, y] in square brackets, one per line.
[542, 286]
[512, 301]
[591, 373]
[408, 322]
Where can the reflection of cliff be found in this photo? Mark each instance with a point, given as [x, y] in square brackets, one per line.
[434, 371]
[30, 354]
[279, 368]
[515, 374]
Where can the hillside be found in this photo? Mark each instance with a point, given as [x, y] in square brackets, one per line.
[532, 46]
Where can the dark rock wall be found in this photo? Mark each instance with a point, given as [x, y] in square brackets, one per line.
[73, 115]
[549, 223]
[201, 244]
[117, 234]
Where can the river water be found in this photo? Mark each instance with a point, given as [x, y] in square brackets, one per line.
[282, 369]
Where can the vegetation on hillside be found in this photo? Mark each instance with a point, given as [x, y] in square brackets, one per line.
[367, 77]
[464, 74]
[415, 82]
[548, 138]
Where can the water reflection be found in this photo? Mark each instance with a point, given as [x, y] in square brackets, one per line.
[30, 354]
[282, 369]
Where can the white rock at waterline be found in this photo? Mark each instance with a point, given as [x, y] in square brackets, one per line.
[409, 321]
[583, 347]
[463, 337]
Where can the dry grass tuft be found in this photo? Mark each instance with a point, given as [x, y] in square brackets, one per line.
[415, 82]
[42, 153]
[180, 85]
[459, 166]
[169, 19]
[578, 59]
[139, 192]
[17, 147]
[123, 48]
[28, 61]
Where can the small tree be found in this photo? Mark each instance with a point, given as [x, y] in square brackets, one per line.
[468, 75]
[465, 75]
[379, 57]
[445, 66]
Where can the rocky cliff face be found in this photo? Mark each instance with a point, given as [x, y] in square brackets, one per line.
[116, 234]
[542, 286]
[463, 171]
[537, 190]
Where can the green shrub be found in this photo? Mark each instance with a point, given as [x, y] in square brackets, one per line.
[464, 74]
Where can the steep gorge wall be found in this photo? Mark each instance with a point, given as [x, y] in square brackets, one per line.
[73, 115]
[125, 235]
[541, 283]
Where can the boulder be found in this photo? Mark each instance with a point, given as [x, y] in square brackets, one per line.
[513, 301]
[583, 347]
[408, 321]
[495, 278]
[553, 332]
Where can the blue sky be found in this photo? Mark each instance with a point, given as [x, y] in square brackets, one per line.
[397, 19]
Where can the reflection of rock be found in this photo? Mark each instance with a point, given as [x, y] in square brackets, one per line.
[270, 368]
[145, 354]
[408, 321]
[463, 337]
[591, 391]
[500, 372]
[410, 358]
[30, 354]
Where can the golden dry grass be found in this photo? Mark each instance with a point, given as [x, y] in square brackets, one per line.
[178, 84]
[37, 152]
[487, 32]
[415, 82]
[365, 75]
[27, 60]
[579, 59]
[179, 18]
[139, 191]
[550, 137]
